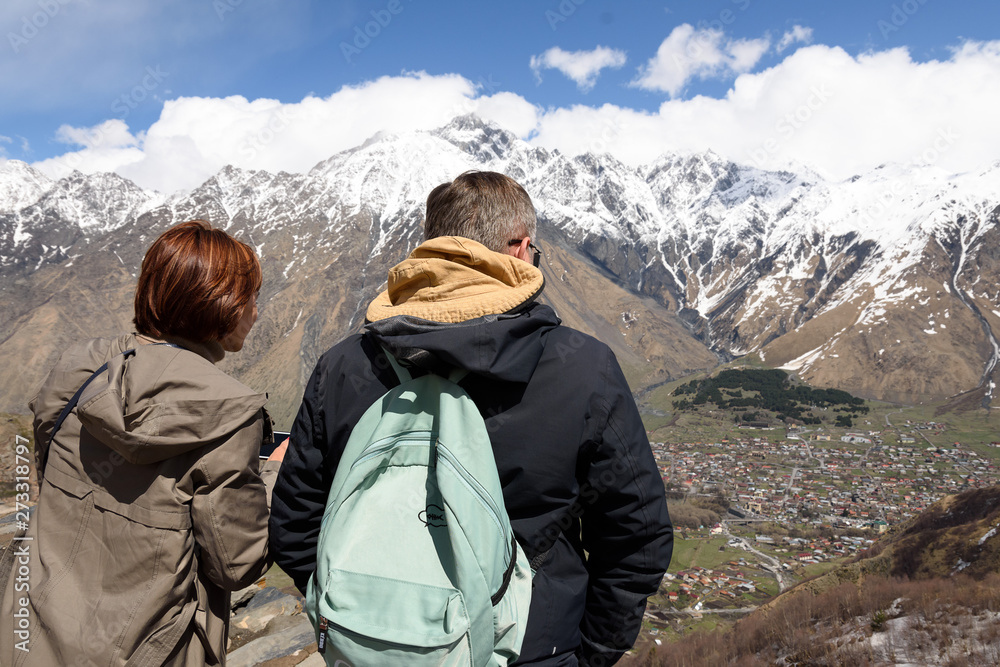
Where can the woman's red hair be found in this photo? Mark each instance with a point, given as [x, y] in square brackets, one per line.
[194, 283]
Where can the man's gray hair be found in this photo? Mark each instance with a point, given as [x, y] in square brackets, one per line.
[484, 206]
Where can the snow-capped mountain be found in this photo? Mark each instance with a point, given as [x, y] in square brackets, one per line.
[885, 284]
[20, 185]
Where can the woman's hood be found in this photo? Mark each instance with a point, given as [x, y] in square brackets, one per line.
[163, 401]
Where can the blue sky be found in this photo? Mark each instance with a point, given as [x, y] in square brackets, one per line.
[168, 92]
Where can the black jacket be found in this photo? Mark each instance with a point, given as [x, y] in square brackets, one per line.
[579, 480]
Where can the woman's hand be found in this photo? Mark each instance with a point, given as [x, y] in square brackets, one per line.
[279, 452]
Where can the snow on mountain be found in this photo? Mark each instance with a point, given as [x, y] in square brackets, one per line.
[20, 185]
[390, 178]
[43, 219]
[806, 272]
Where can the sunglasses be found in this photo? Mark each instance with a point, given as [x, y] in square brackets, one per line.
[536, 253]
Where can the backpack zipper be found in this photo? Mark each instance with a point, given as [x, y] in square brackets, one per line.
[376, 449]
[321, 640]
[398, 440]
[473, 485]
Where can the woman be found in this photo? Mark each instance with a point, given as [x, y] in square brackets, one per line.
[151, 509]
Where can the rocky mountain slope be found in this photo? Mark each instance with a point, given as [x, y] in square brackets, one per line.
[885, 284]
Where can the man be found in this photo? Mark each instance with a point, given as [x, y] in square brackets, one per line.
[583, 492]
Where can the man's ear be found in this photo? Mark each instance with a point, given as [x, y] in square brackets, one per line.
[523, 252]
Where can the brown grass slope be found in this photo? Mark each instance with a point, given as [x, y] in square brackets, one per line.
[956, 534]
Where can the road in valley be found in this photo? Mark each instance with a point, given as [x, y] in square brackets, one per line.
[890, 413]
[770, 560]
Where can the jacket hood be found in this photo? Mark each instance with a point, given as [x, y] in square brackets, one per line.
[164, 401]
[500, 347]
[453, 303]
[454, 279]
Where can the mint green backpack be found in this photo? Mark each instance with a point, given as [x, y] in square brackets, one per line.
[416, 562]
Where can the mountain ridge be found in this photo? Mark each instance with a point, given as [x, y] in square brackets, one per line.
[884, 284]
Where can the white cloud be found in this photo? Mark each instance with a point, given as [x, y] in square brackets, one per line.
[196, 136]
[509, 111]
[820, 107]
[836, 113]
[105, 147]
[583, 67]
[798, 34]
[744, 54]
[688, 53]
[109, 134]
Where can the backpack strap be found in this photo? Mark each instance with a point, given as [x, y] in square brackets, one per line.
[79, 392]
[403, 374]
[76, 397]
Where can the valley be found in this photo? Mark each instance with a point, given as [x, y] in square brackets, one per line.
[759, 508]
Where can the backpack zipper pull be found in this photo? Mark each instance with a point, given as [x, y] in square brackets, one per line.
[321, 641]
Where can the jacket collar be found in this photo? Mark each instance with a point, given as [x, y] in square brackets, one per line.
[453, 279]
[210, 350]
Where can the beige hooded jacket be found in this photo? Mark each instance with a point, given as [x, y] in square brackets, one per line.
[151, 510]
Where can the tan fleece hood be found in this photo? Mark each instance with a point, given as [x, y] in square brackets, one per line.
[454, 279]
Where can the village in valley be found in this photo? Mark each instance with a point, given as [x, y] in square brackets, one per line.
[858, 481]
[761, 505]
